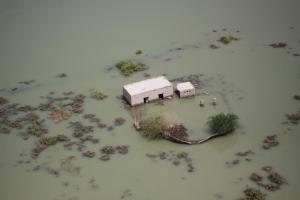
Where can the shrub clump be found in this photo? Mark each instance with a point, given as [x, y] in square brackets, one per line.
[153, 127]
[98, 95]
[127, 67]
[222, 123]
[226, 39]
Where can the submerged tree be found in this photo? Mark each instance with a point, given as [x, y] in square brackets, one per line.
[153, 127]
[222, 123]
[158, 127]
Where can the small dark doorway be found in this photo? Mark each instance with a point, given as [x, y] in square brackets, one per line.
[161, 96]
[146, 99]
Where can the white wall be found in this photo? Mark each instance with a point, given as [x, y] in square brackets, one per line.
[153, 95]
[127, 96]
[187, 93]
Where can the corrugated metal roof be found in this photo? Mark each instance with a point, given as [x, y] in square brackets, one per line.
[185, 86]
[147, 85]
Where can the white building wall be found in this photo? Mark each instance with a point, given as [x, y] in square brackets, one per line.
[126, 95]
[152, 95]
[187, 93]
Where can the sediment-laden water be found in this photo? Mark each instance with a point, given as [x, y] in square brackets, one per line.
[59, 140]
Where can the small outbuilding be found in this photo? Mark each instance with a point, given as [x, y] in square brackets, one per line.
[148, 90]
[185, 89]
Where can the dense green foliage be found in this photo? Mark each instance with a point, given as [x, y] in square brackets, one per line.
[127, 67]
[226, 39]
[152, 127]
[222, 123]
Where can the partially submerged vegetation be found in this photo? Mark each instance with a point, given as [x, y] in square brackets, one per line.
[95, 94]
[222, 123]
[44, 142]
[157, 127]
[270, 141]
[226, 39]
[128, 67]
[278, 45]
[153, 127]
[253, 194]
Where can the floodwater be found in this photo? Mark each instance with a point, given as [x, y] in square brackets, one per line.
[84, 39]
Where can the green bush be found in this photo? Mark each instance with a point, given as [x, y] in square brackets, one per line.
[98, 95]
[226, 39]
[127, 67]
[152, 127]
[222, 123]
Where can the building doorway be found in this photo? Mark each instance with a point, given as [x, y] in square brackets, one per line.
[161, 96]
[146, 99]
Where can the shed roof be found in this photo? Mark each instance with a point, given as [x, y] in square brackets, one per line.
[147, 85]
[185, 86]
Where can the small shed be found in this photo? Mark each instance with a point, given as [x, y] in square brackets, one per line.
[147, 90]
[185, 89]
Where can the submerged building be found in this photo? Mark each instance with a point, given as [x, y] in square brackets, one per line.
[148, 90]
[185, 89]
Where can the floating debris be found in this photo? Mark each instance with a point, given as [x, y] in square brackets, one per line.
[108, 151]
[68, 93]
[278, 45]
[45, 142]
[293, 118]
[267, 168]
[255, 177]
[232, 163]
[296, 97]
[175, 158]
[275, 179]
[110, 128]
[89, 138]
[138, 52]
[97, 95]
[60, 114]
[89, 154]
[62, 75]
[105, 157]
[123, 149]
[80, 129]
[240, 156]
[27, 82]
[126, 194]
[214, 101]
[245, 153]
[67, 165]
[119, 121]
[201, 103]
[93, 184]
[270, 141]
[88, 116]
[214, 46]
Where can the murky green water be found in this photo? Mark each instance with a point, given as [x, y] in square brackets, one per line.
[41, 39]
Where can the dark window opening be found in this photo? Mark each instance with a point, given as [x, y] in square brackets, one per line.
[161, 96]
[146, 99]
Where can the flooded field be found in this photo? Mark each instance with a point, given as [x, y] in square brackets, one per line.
[62, 139]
